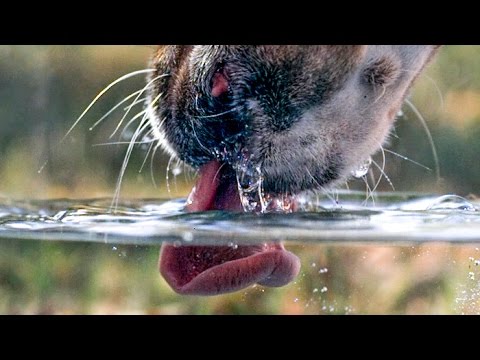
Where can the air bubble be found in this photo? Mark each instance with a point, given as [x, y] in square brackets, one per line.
[471, 275]
[315, 290]
[362, 170]
[323, 271]
[187, 236]
[324, 289]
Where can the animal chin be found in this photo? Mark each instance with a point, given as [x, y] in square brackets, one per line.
[213, 270]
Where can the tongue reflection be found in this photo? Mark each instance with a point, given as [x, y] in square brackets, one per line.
[213, 270]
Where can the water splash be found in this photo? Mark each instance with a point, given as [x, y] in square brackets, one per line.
[362, 169]
[451, 202]
[250, 188]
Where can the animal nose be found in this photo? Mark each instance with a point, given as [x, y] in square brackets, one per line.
[220, 84]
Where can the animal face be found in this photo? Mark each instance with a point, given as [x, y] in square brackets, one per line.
[306, 116]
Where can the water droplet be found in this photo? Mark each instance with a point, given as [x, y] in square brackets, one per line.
[191, 196]
[295, 300]
[324, 289]
[314, 264]
[233, 245]
[471, 275]
[476, 262]
[176, 171]
[315, 290]
[400, 113]
[250, 188]
[451, 202]
[323, 271]
[362, 169]
[187, 236]
[60, 215]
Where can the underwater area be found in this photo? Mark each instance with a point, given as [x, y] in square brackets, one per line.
[402, 237]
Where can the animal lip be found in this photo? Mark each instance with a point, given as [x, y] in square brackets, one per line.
[214, 270]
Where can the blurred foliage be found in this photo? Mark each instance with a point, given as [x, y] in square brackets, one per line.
[43, 89]
[64, 278]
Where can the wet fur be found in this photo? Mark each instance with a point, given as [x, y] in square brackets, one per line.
[308, 115]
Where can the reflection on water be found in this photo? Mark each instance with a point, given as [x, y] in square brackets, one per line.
[406, 254]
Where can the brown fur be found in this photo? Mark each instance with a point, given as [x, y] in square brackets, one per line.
[308, 115]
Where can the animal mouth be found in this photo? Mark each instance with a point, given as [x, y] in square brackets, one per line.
[213, 270]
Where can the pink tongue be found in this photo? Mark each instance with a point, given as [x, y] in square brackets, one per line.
[213, 270]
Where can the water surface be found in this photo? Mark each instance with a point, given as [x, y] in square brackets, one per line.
[392, 218]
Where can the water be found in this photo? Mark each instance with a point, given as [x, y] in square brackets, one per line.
[409, 253]
[396, 217]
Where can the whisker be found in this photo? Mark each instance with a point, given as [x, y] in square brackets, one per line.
[196, 137]
[150, 83]
[216, 115]
[152, 175]
[384, 88]
[141, 127]
[139, 101]
[435, 85]
[101, 93]
[368, 192]
[130, 122]
[382, 171]
[407, 159]
[112, 110]
[429, 136]
[325, 191]
[384, 174]
[218, 172]
[167, 177]
[175, 174]
[124, 143]
[146, 157]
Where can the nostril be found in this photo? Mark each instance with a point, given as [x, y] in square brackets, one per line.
[219, 84]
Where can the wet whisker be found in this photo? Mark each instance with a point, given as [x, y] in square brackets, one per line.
[407, 159]
[429, 136]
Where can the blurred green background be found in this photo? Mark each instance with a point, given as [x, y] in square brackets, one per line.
[43, 89]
